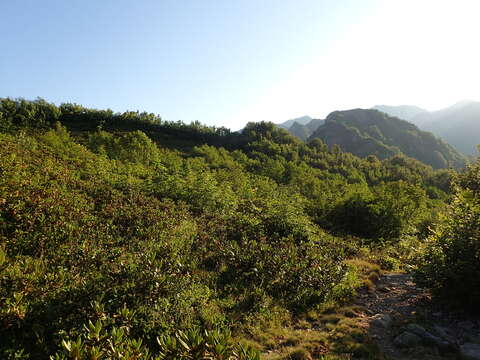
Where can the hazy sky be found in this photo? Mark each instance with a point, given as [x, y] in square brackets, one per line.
[226, 62]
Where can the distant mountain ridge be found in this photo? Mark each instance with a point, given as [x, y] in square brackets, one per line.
[302, 127]
[458, 124]
[366, 132]
[301, 120]
[299, 130]
[404, 112]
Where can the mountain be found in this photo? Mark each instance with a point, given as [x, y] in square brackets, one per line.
[300, 131]
[301, 127]
[404, 112]
[304, 131]
[304, 120]
[371, 132]
[314, 124]
[458, 124]
[429, 117]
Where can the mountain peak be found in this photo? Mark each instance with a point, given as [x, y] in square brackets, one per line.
[405, 112]
[458, 124]
[366, 132]
[461, 104]
[303, 120]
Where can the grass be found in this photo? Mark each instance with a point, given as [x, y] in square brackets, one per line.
[331, 336]
[332, 331]
[369, 272]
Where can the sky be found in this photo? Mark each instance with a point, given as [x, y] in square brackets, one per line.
[226, 62]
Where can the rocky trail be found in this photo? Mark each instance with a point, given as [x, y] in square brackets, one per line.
[404, 323]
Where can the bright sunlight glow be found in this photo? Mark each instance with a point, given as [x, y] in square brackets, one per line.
[421, 53]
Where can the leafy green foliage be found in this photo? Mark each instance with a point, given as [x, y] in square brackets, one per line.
[105, 339]
[171, 229]
[451, 264]
[132, 147]
[386, 213]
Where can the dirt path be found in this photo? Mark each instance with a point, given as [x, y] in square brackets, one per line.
[396, 296]
[398, 302]
[396, 320]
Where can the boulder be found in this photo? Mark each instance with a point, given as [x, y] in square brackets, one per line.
[466, 325]
[429, 339]
[383, 320]
[470, 351]
[407, 339]
[444, 334]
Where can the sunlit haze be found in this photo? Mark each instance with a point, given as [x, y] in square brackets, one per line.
[227, 63]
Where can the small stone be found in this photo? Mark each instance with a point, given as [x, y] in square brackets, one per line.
[469, 351]
[383, 320]
[407, 339]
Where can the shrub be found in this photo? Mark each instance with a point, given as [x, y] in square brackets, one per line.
[101, 340]
[383, 215]
[451, 264]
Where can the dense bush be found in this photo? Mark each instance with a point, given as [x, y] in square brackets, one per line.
[451, 265]
[167, 243]
[121, 229]
[384, 214]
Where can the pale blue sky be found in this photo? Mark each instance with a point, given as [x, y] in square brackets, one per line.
[228, 62]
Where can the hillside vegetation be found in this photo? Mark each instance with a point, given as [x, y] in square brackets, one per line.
[371, 132]
[300, 131]
[126, 237]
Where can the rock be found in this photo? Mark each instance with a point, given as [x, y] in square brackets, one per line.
[407, 339]
[429, 339]
[472, 338]
[383, 320]
[443, 333]
[417, 329]
[466, 325]
[469, 351]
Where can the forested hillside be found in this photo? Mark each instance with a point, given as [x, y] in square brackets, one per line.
[366, 132]
[458, 124]
[125, 236]
[301, 129]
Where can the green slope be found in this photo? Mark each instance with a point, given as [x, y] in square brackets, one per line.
[371, 132]
[300, 131]
[118, 229]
